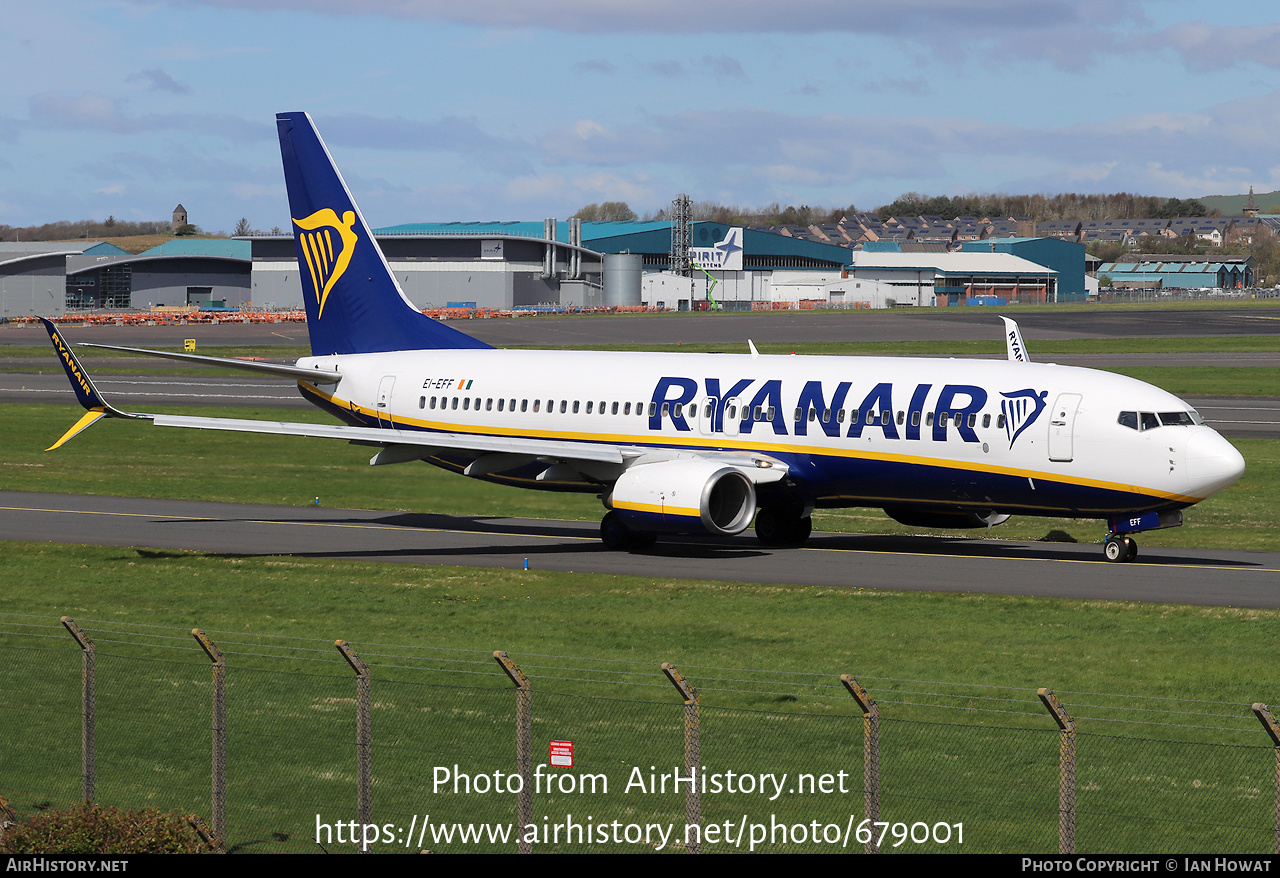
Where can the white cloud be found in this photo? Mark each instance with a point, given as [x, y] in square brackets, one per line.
[159, 80]
[1204, 47]
[907, 18]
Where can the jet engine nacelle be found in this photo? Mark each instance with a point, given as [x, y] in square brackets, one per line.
[684, 496]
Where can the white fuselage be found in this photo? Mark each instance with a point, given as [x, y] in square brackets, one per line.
[853, 431]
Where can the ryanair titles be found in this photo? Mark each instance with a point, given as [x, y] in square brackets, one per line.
[929, 412]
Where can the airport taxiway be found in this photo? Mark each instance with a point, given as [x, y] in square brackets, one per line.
[1205, 577]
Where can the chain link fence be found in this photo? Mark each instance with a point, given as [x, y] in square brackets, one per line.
[278, 745]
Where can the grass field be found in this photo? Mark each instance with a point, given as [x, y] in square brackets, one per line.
[1171, 759]
[963, 735]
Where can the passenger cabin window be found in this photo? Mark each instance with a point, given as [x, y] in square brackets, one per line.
[537, 405]
[626, 409]
[422, 402]
[1000, 421]
[614, 409]
[564, 406]
[524, 405]
[986, 421]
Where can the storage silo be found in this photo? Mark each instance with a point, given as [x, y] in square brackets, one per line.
[622, 279]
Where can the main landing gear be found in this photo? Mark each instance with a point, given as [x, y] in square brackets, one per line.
[783, 528]
[1120, 548]
[617, 537]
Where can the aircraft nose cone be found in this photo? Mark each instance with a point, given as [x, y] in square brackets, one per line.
[1212, 462]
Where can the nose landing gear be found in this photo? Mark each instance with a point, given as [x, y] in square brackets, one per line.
[1120, 548]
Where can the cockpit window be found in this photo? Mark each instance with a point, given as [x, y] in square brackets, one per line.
[1151, 420]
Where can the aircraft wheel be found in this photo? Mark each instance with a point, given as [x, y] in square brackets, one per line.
[1114, 549]
[1131, 547]
[642, 541]
[800, 530]
[768, 527]
[615, 535]
[780, 530]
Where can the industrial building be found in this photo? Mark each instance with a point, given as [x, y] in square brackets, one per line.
[1180, 272]
[552, 265]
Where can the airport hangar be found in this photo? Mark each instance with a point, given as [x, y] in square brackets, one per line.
[520, 265]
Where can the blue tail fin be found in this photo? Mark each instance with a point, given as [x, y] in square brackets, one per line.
[354, 305]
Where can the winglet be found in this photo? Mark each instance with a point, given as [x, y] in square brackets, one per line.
[90, 418]
[1013, 341]
[86, 393]
[755, 354]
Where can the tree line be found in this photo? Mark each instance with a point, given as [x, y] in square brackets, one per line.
[1063, 206]
[66, 230]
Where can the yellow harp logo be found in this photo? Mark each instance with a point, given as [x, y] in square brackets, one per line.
[325, 262]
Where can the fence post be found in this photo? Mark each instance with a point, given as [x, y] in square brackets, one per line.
[364, 741]
[218, 784]
[870, 757]
[1269, 723]
[524, 748]
[1066, 771]
[88, 696]
[692, 758]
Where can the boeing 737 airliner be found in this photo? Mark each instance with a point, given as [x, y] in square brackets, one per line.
[707, 443]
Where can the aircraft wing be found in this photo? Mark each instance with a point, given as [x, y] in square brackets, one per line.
[399, 446]
[599, 452]
[315, 376]
[396, 445]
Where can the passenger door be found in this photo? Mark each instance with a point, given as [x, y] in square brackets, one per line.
[1062, 424]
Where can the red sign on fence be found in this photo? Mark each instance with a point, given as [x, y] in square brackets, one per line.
[562, 753]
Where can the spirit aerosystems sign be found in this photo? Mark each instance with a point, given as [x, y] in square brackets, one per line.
[726, 255]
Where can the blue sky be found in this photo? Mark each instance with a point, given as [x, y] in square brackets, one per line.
[439, 110]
